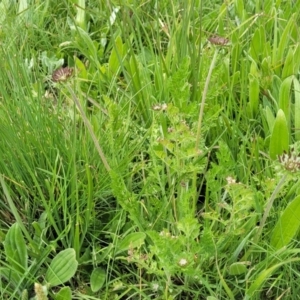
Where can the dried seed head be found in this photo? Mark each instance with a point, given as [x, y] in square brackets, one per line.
[158, 107]
[218, 40]
[62, 74]
[290, 161]
[40, 291]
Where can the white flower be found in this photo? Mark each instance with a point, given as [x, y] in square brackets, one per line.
[155, 287]
[183, 262]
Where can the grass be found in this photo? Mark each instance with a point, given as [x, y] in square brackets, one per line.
[164, 165]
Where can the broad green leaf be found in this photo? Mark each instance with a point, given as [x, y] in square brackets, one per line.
[254, 90]
[81, 68]
[84, 42]
[132, 240]
[64, 293]
[284, 41]
[116, 57]
[80, 15]
[288, 68]
[240, 10]
[285, 97]
[287, 226]
[257, 43]
[297, 108]
[279, 141]
[15, 249]
[235, 58]
[12, 277]
[97, 279]
[237, 268]
[270, 118]
[266, 65]
[62, 267]
[296, 59]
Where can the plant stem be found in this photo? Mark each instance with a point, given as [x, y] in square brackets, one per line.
[90, 129]
[200, 118]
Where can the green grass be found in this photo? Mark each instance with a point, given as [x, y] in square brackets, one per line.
[165, 166]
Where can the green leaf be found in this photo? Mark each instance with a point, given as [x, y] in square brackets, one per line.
[15, 249]
[81, 68]
[24, 295]
[12, 277]
[178, 83]
[132, 240]
[270, 118]
[240, 9]
[285, 97]
[279, 141]
[288, 67]
[116, 57]
[64, 293]
[62, 267]
[297, 108]
[287, 225]
[189, 226]
[254, 90]
[258, 43]
[237, 268]
[284, 40]
[84, 42]
[97, 279]
[265, 274]
[80, 15]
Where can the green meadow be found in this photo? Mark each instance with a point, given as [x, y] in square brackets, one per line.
[149, 149]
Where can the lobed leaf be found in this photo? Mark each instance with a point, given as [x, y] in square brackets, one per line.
[132, 240]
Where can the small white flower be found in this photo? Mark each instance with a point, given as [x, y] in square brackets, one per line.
[155, 287]
[183, 262]
[230, 180]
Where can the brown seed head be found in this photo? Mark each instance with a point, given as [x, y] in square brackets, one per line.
[62, 74]
[218, 40]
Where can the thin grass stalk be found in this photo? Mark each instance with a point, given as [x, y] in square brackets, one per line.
[201, 111]
[90, 129]
[200, 118]
[197, 58]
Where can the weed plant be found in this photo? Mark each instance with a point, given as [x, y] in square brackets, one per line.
[149, 149]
